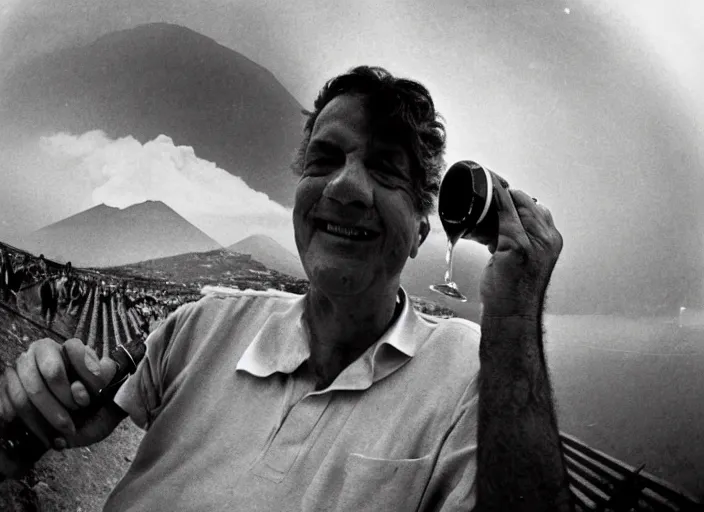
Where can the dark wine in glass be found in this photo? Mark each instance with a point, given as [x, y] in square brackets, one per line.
[467, 208]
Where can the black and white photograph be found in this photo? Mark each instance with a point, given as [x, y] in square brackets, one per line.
[392, 255]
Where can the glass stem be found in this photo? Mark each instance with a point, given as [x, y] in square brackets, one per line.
[448, 259]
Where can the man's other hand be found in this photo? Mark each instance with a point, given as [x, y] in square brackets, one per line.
[39, 392]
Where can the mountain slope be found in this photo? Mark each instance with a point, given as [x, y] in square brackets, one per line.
[164, 79]
[106, 236]
[270, 253]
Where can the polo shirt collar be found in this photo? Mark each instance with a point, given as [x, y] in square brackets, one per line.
[281, 345]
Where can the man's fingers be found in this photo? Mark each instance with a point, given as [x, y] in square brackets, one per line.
[93, 372]
[47, 356]
[538, 222]
[506, 206]
[40, 395]
[80, 394]
[7, 411]
[511, 231]
[532, 214]
[24, 409]
[523, 200]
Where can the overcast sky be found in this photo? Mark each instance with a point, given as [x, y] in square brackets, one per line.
[463, 50]
[594, 106]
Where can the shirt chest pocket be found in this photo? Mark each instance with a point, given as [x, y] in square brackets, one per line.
[369, 484]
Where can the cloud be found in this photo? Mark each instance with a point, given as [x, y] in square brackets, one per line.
[124, 172]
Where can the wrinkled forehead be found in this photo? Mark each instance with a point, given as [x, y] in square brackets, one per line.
[352, 114]
[344, 113]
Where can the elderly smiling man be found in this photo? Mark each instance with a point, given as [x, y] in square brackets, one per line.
[344, 398]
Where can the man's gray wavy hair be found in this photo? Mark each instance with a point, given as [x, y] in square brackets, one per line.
[395, 106]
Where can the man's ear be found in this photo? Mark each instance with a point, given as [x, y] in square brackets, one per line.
[423, 230]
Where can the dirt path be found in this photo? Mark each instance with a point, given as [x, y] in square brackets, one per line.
[74, 480]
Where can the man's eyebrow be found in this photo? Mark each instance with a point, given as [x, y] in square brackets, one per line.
[392, 153]
[322, 145]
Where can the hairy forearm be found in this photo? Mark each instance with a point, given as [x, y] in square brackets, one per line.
[520, 461]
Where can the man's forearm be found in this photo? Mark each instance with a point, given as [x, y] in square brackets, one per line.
[520, 461]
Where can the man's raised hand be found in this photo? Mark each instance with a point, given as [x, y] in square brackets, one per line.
[522, 260]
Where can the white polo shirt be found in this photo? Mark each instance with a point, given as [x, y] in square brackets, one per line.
[234, 422]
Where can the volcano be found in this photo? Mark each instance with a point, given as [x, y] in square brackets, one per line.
[272, 254]
[105, 236]
[164, 79]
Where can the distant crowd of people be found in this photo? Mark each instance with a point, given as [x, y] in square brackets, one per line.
[61, 289]
[18, 270]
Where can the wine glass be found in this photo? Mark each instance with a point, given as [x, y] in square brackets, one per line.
[449, 287]
[467, 208]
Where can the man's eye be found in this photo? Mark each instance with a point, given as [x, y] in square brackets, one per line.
[392, 170]
[323, 160]
[326, 158]
[387, 172]
[318, 164]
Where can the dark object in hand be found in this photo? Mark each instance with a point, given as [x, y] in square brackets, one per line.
[20, 449]
[467, 203]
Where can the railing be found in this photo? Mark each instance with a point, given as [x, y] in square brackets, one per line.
[602, 483]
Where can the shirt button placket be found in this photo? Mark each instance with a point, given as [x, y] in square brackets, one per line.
[293, 437]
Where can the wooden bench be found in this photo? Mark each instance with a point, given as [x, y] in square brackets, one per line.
[604, 484]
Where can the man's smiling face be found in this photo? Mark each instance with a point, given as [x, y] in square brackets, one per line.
[354, 214]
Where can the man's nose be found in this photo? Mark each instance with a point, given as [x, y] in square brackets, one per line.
[351, 184]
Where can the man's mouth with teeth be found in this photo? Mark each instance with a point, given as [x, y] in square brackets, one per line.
[352, 233]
